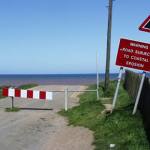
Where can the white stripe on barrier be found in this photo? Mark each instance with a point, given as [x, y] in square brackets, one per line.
[49, 95]
[11, 92]
[36, 94]
[24, 93]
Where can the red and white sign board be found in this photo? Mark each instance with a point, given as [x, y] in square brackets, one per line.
[145, 26]
[134, 54]
[43, 95]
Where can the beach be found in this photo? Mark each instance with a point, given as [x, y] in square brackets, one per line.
[38, 126]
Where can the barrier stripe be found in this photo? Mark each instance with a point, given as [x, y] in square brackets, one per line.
[36, 95]
[43, 95]
[11, 92]
[23, 94]
[5, 91]
[29, 93]
[17, 93]
[49, 95]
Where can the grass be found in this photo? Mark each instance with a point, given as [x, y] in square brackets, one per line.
[14, 109]
[120, 128]
[27, 86]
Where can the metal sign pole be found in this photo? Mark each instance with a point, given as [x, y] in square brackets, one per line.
[139, 93]
[66, 99]
[117, 88]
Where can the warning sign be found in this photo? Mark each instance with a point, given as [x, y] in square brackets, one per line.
[145, 26]
[133, 54]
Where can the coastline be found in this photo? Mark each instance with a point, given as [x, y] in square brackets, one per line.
[51, 79]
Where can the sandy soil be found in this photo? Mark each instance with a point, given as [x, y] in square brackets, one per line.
[42, 128]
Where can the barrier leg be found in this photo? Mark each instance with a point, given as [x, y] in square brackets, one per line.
[139, 93]
[66, 99]
[12, 102]
[117, 88]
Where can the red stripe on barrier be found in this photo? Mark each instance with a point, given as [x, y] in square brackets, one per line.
[24, 93]
[5, 92]
[42, 95]
[29, 94]
[17, 93]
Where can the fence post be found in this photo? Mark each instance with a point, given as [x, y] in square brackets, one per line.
[12, 102]
[117, 88]
[139, 93]
[66, 99]
[97, 91]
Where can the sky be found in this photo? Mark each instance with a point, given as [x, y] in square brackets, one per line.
[62, 36]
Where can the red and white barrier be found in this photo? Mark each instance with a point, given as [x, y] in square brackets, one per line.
[43, 95]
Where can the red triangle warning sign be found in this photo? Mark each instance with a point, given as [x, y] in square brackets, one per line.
[145, 26]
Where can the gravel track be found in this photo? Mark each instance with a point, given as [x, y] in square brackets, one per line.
[42, 128]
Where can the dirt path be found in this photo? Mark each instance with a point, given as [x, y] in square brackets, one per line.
[31, 129]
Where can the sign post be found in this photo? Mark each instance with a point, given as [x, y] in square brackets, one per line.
[117, 88]
[139, 93]
[136, 55]
[145, 26]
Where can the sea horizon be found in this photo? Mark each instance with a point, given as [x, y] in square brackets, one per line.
[52, 79]
[52, 73]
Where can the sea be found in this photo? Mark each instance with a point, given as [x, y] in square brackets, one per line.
[51, 79]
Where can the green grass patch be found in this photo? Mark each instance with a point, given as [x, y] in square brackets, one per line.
[120, 128]
[27, 86]
[14, 109]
